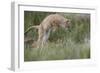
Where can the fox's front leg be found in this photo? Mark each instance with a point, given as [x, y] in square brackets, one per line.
[45, 37]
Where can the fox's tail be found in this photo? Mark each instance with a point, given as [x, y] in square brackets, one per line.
[37, 27]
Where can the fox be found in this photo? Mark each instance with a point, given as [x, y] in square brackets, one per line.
[50, 23]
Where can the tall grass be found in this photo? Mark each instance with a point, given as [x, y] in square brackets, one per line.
[71, 44]
[58, 51]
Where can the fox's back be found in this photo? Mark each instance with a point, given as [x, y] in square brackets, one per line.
[51, 18]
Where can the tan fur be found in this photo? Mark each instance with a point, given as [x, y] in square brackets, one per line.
[50, 23]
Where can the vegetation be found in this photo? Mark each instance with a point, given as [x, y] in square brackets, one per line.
[71, 44]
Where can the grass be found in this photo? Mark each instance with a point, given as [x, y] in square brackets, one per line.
[73, 43]
[58, 51]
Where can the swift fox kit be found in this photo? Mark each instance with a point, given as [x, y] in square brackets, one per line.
[50, 23]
